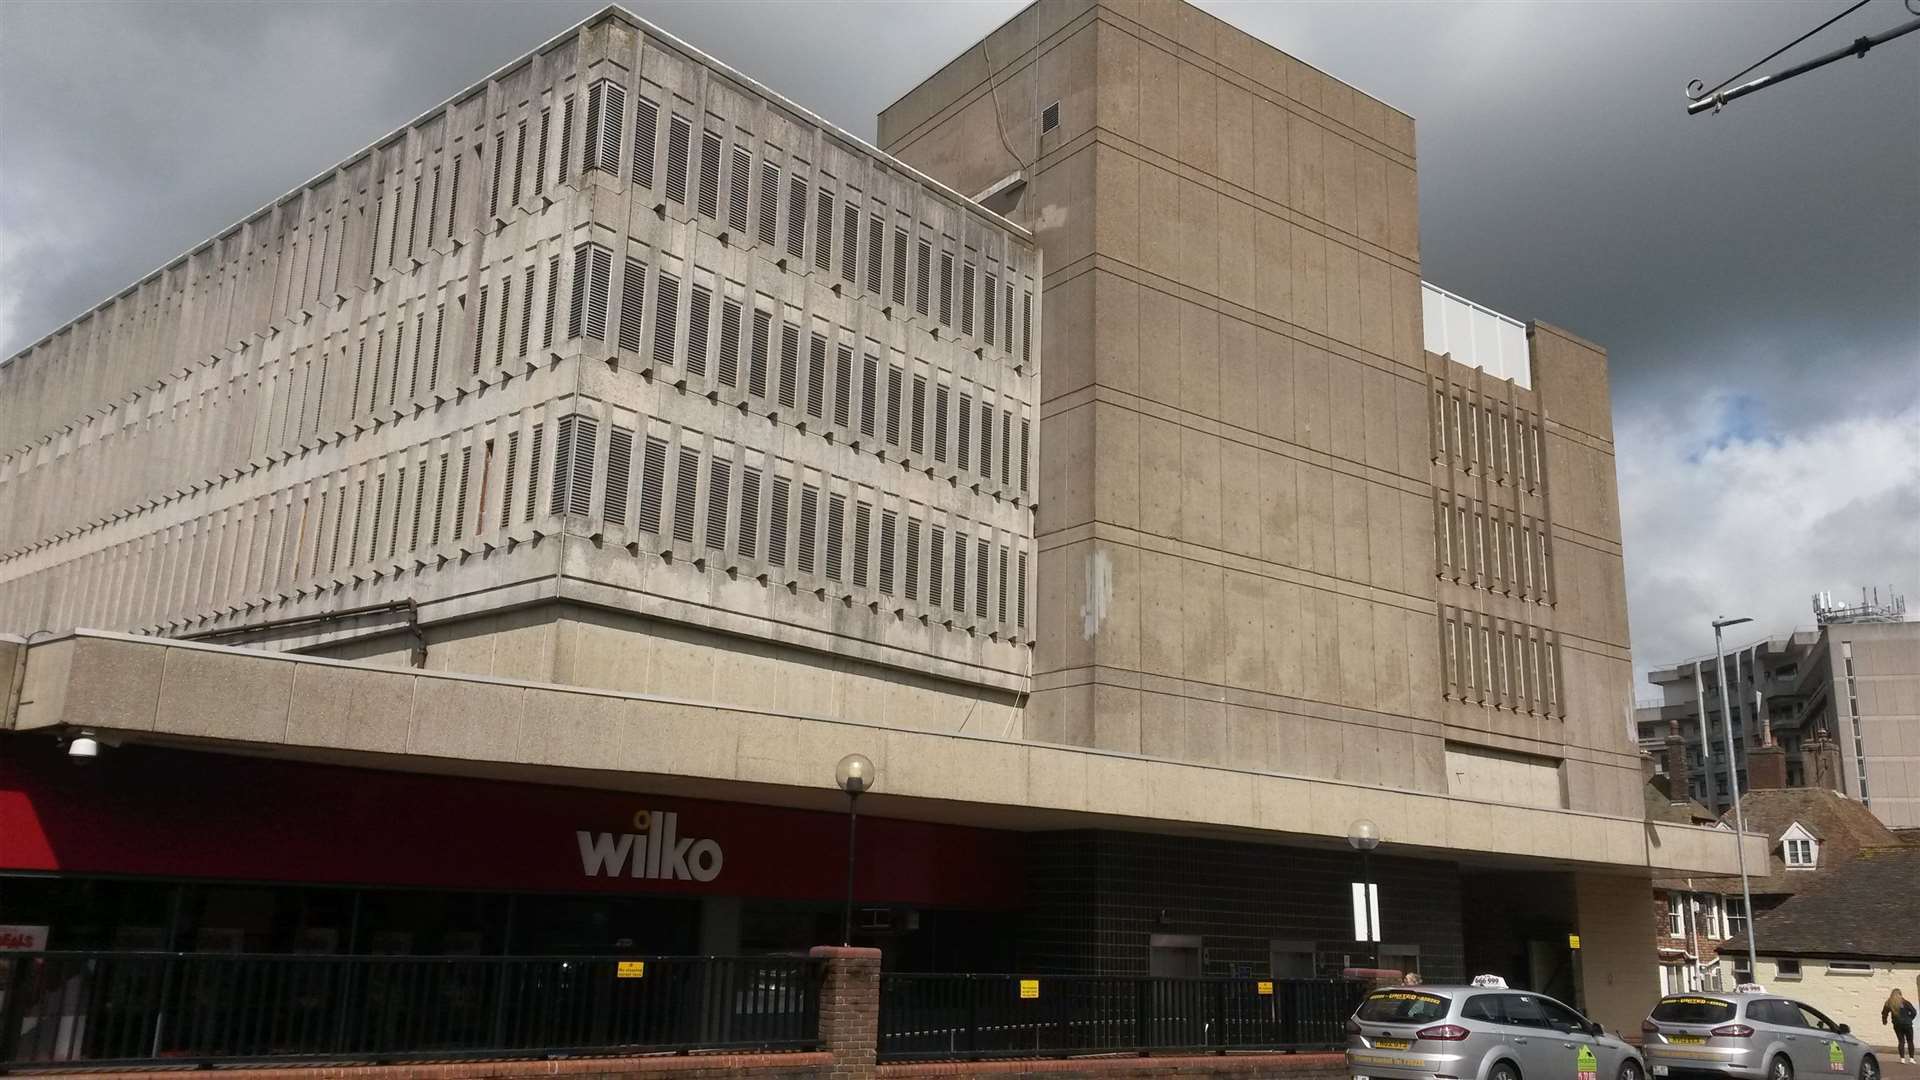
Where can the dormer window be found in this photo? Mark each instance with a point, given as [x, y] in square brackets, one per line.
[1799, 848]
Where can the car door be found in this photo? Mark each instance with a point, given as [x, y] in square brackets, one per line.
[1581, 1056]
[1776, 1027]
[1536, 1045]
[1821, 1048]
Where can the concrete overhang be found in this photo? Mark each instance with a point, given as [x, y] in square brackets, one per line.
[191, 695]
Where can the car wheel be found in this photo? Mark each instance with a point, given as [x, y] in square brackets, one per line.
[1630, 1070]
[1781, 1069]
[1503, 1070]
[1869, 1068]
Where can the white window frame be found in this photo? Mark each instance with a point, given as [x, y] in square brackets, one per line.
[1676, 917]
[1799, 849]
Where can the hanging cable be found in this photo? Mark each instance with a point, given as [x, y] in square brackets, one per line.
[999, 122]
[1697, 89]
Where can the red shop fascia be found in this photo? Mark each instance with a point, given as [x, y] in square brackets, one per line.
[154, 812]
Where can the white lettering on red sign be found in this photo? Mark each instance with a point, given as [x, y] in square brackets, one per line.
[657, 853]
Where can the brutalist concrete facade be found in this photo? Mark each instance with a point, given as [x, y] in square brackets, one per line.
[616, 331]
[489, 399]
[1281, 530]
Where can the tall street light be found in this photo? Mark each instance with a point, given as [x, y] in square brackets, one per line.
[1733, 788]
[1363, 835]
[855, 774]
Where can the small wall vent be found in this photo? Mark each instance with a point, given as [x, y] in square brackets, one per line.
[1049, 118]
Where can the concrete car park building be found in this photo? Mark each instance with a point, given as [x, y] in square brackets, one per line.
[611, 449]
[1849, 685]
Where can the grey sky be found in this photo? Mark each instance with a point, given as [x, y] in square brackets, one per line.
[1755, 275]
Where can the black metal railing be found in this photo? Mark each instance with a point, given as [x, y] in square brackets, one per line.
[97, 1008]
[965, 1017]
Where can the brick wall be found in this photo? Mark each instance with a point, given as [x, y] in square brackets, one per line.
[849, 1010]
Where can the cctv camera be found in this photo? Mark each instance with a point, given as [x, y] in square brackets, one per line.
[83, 749]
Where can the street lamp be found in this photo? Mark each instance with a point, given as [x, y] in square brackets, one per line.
[1363, 836]
[1733, 786]
[855, 774]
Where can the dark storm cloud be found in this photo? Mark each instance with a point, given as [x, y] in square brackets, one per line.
[1755, 275]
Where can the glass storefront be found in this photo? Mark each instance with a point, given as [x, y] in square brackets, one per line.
[190, 916]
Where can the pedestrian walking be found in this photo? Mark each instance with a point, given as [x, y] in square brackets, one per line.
[1900, 1012]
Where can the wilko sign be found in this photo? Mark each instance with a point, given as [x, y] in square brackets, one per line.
[654, 850]
[181, 814]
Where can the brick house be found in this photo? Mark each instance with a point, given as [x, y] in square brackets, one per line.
[1812, 834]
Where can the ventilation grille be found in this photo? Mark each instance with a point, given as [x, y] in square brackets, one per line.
[719, 491]
[710, 147]
[769, 202]
[796, 217]
[729, 343]
[823, 231]
[653, 478]
[862, 527]
[633, 290]
[777, 523]
[619, 474]
[737, 182]
[869, 388]
[748, 540]
[757, 359]
[685, 494]
[889, 524]
[912, 582]
[836, 527]
[816, 375]
[699, 308]
[1049, 119]
[646, 125]
[789, 363]
[843, 387]
[809, 527]
[459, 501]
[678, 132]
[666, 313]
[533, 481]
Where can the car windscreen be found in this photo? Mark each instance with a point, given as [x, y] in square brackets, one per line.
[1402, 1007]
[1693, 1010]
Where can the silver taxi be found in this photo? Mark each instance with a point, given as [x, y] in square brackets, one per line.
[1749, 1034]
[1482, 1031]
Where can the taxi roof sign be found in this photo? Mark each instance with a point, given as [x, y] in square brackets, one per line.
[1490, 982]
[1749, 988]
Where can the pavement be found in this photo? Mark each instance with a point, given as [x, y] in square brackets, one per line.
[1890, 1067]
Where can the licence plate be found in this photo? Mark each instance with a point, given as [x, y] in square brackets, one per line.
[1660, 1070]
[1687, 1040]
[1391, 1044]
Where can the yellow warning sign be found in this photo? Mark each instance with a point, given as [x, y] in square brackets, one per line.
[1585, 1067]
[1573, 941]
[1266, 988]
[1029, 989]
[632, 969]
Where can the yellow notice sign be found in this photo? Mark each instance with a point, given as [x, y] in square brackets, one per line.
[1029, 989]
[632, 969]
[1266, 988]
[1573, 941]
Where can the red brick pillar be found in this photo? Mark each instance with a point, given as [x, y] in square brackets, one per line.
[849, 1008]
